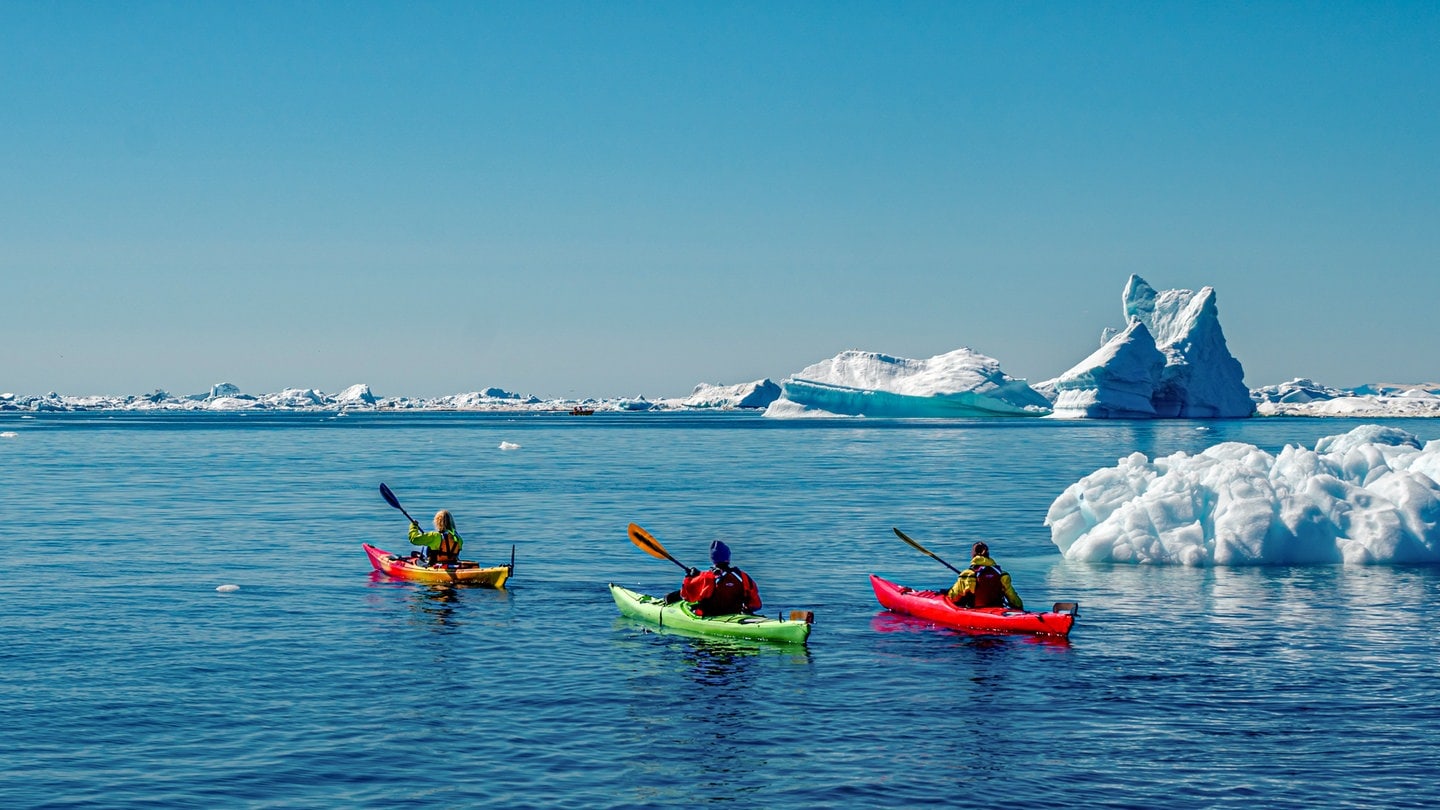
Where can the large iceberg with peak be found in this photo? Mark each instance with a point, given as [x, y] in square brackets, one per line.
[958, 383]
[1170, 361]
[1365, 497]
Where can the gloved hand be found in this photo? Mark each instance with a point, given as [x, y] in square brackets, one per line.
[692, 572]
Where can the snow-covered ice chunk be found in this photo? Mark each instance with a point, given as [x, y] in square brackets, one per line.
[1364, 497]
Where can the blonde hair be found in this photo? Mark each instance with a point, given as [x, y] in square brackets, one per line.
[443, 520]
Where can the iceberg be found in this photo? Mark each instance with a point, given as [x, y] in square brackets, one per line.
[961, 383]
[1116, 382]
[490, 399]
[758, 394]
[296, 399]
[1304, 397]
[356, 396]
[1170, 361]
[1365, 497]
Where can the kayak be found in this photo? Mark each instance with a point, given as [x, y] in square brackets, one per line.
[934, 606]
[414, 569]
[654, 610]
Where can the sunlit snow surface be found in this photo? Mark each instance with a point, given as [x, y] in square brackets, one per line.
[1365, 497]
[958, 383]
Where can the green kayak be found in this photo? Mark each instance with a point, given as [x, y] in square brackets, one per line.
[653, 609]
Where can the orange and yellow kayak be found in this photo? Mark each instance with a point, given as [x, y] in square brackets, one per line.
[414, 569]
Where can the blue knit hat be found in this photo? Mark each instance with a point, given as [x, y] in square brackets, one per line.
[719, 552]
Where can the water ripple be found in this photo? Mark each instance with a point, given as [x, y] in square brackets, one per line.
[129, 682]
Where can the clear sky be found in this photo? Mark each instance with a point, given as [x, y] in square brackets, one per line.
[620, 199]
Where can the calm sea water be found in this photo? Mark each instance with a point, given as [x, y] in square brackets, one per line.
[127, 680]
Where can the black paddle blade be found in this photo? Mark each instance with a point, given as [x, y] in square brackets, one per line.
[394, 501]
[389, 496]
[907, 539]
[927, 552]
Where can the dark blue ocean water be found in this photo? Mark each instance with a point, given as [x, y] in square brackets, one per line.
[127, 680]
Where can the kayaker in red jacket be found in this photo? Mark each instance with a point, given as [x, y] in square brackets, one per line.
[442, 546]
[722, 590]
[984, 584]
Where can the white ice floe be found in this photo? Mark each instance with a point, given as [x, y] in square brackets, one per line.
[509, 446]
[1365, 497]
[227, 588]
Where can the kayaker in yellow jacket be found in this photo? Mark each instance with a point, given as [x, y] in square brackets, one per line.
[984, 584]
[442, 546]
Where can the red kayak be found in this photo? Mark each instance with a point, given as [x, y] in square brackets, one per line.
[934, 606]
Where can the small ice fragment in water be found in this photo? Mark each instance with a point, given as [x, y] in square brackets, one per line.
[228, 588]
[509, 446]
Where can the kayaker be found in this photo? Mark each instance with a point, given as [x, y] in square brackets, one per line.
[442, 546]
[721, 591]
[984, 584]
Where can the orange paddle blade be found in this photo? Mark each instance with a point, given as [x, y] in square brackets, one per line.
[647, 543]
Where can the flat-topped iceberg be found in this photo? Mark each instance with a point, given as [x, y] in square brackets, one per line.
[958, 383]
[1170, 361]
[1364, 497]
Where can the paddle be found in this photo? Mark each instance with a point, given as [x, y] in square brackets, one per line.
[648, 544]
[927, 552]
[394, 501]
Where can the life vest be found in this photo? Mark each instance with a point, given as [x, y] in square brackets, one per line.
[989, 590]
[448, 552]
[728, 596]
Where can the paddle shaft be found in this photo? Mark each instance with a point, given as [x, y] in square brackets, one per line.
[924, 550]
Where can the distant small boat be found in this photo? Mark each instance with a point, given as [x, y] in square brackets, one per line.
[579, 411]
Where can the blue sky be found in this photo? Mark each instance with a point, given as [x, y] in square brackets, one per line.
[607, 199]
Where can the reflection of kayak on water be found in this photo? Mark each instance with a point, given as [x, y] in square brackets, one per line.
[414, 569]
[654, 610]
[933, 605]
